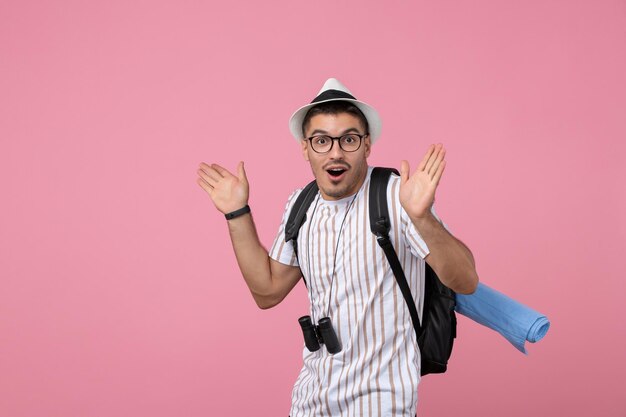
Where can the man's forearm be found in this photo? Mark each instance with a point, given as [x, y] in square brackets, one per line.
[252, 257]
[449, 257]
[268, 280]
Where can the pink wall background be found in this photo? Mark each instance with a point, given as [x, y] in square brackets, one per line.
[119, 292]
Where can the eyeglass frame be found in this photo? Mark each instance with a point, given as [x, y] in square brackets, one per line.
[338, 139]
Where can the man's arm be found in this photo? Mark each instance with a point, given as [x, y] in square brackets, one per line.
[449, 257]
[269, 281]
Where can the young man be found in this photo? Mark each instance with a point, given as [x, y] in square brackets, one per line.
[376, 370]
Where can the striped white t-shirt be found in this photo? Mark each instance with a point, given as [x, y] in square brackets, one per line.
[378, 369]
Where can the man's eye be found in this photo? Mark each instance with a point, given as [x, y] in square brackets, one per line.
[321, 140]
[349, 139]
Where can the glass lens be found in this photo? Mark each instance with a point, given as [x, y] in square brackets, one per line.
[321, 143]
[350, 143]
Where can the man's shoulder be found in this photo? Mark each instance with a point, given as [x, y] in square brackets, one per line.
[393, 186]
[293, 197]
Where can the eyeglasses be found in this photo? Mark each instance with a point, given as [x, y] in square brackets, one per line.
[348, 143]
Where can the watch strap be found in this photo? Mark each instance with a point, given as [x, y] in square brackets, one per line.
[237, 213]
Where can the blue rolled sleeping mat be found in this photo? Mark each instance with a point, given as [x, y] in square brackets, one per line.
[513, 320]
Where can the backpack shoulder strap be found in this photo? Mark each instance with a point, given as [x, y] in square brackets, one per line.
[297, 215]
[379, 213]
[380, 226]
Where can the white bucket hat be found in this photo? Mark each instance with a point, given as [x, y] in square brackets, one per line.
[333, 90]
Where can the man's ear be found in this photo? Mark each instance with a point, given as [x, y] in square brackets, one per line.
[305, 149]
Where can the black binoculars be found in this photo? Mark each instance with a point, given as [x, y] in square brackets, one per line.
[323, 333]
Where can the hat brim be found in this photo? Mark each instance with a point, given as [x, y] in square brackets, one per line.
[373, 119]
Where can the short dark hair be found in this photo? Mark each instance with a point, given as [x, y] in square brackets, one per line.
[334, 107]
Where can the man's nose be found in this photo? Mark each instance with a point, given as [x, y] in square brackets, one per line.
[336, 152]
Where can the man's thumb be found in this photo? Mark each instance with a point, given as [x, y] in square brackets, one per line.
[404, 172]
[241, 172]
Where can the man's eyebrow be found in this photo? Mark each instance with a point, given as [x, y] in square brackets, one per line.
[323, 132]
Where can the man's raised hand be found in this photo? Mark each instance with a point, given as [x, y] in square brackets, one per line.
[417, 191]
[229, 192]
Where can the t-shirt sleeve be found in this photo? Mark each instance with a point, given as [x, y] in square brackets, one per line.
[412, 237]
[281, 251]
[414, 240]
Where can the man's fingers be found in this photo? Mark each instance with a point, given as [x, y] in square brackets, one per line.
[437, 159]
[429, 152]
[434, 155]
[220, 170]
[439, 172]
[210, 172]
[207, 178]
[205, 186]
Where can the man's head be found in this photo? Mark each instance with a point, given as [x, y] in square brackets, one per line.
[339, 162]
[336, 143]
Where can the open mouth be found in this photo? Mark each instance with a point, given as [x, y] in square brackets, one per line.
[335, 172]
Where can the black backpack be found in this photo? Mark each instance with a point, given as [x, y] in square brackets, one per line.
[435, 336]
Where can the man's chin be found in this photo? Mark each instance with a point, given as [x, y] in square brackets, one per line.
[335, 191]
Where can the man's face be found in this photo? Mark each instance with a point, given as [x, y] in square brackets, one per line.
[338, 173]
